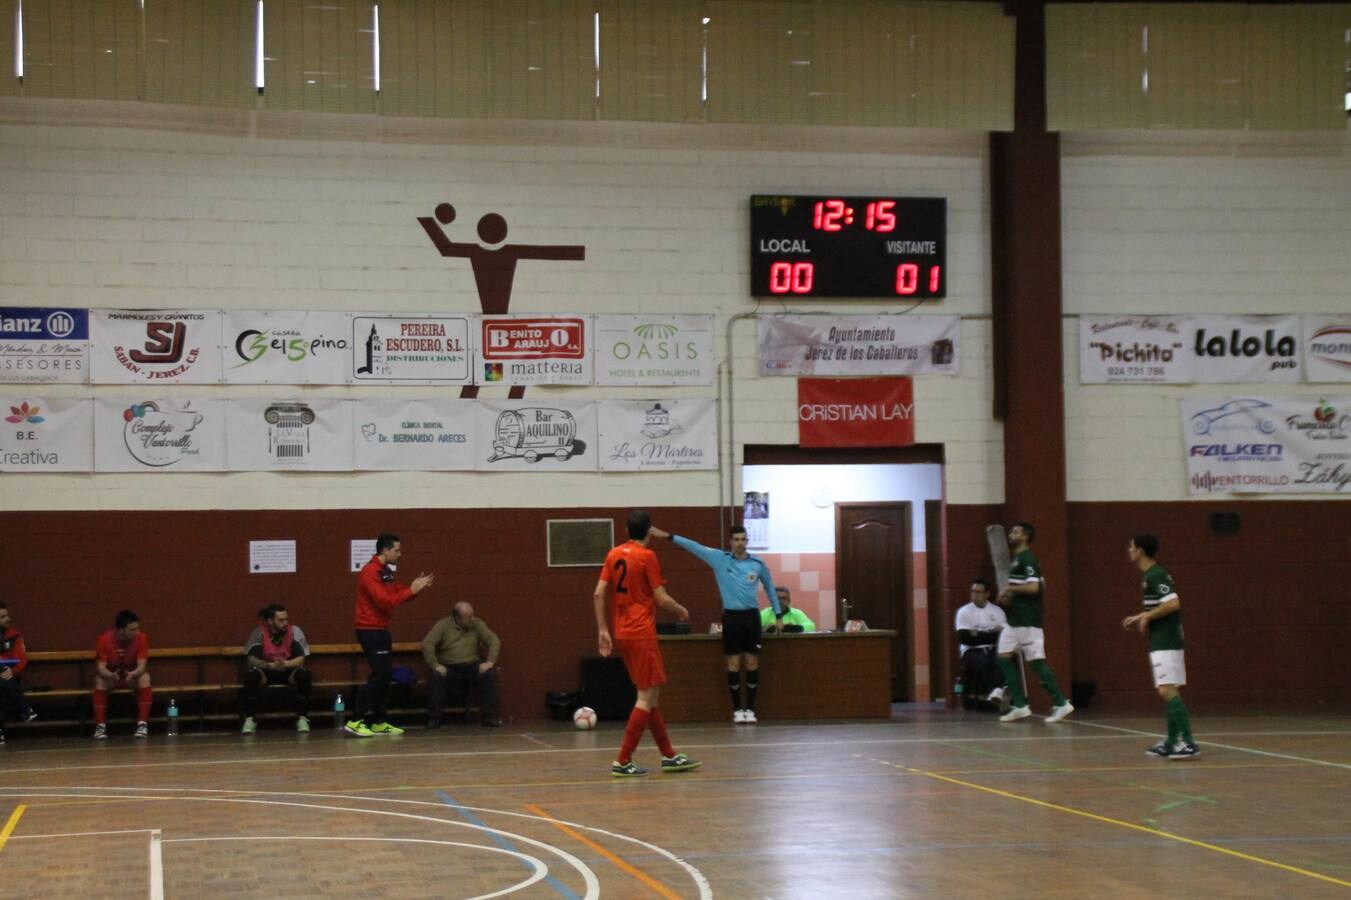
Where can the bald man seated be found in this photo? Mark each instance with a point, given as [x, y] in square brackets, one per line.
[454, 649]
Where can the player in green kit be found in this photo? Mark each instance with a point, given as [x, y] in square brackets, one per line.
[1162, 620]
[1023, 633]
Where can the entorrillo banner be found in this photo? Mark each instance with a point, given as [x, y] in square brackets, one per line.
[1246, 444]
[859, 345]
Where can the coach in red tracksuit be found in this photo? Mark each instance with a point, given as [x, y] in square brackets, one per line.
[15, 657]
[378, 595]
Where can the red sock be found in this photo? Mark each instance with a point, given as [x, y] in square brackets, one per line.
[100, 706]
[633, 733]
[143, 697]
[657, 725]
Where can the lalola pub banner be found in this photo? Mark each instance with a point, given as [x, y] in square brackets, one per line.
[1245, 444]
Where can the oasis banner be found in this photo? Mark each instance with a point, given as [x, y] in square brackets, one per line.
[1245, 444]
[859, 345]
[647, 435]
[40, 435]
[654, 350]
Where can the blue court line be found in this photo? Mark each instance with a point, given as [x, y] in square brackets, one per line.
[502, 842]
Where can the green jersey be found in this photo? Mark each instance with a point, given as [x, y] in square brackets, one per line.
[1025, 609]
[1165, 633]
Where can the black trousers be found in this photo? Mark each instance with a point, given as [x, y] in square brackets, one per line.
[11, 696]
[373, 698]
[463, 675]
[257, 679]
[980, 671]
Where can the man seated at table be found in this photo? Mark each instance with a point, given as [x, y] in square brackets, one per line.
[122, 660]
[452, 650]
[978, 625]
[275, 654]
[792, 616]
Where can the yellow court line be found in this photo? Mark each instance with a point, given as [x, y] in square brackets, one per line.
[9, 826]
[1131, 825]
[646, 879]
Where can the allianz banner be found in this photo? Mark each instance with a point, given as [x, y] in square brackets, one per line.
[859, 345]
[1243, 444]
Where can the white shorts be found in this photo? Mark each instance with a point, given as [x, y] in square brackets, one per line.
[1169, 667]
[1026, 639]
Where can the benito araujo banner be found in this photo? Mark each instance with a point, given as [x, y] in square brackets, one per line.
[1248, 444]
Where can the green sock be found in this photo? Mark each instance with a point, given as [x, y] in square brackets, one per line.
[1178, 710]
[1172, 725]
[1047, 679]
[1013, 680]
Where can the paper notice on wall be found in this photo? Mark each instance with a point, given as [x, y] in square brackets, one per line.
[859, 345]
[362, 551]
[155, 346]
[755, 516]
[272, 556]
[653, 435]
[43, 435]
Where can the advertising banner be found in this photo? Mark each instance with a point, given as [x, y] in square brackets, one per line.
[41, 435]
[155, 346]
[413, 435]
[855, 412]
[1327, 348]
[1247, 444]
[1237, 349]
[859, 345]
[312, 435]
[411, 349]
[654, 350]
[159, 435]
[648, 435]
[1135, 350]
[535, 436]
[516, 350]
[44, 345]
[279, 347]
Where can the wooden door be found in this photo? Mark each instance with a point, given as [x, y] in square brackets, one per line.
[873, 560]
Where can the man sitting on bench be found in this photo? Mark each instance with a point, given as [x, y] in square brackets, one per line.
[275, 654]
[121, 660]
[13, 660]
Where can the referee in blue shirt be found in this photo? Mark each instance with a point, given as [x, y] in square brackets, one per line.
[739, 576]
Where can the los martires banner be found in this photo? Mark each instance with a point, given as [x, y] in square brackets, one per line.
[1250, 444]
[647, 435]
[858, 345]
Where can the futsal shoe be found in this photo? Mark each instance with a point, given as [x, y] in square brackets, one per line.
[627, 770]
[748, 716]
[1018, 712]
[739, 717]
[1159, 750]
[358, 728]
[30, 715]
[303, 725]
[995, 695]
[250, 726]
[100, 732]
[142, 730]
[1060, 712]
[1184, 750]
[384, 728]
[678, 763]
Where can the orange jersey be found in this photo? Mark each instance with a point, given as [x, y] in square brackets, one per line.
[633, 574]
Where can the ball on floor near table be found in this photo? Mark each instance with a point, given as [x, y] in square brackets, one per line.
[584, 718]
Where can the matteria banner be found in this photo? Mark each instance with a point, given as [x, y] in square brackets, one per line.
[535, 436]
[280, 347]
[314, 435]
[155, 346]
[41, 435]
[1135, 350]
[410, 349]
[651, 435]
[413, 435]
[855, 412]
[1327, 348]
[518, 350]
[159, 435]
[1237, 349]
[859, 345]
[654, 350]
[44, 345]
[1242, 444]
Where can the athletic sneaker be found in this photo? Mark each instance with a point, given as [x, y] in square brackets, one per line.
[250, 726]
[384, 728]
[303, 725]
[739, 717]
[1184, 750]
[627, 770]
[1060, 712]
[100, 732]
[1013, 715]
[678, 763]
[748, 716]
[142, 730]
[2, 735]
[358, 728]
[30, 715]
[995, 695]
[1160, 750]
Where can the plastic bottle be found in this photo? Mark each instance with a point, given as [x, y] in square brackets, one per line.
[172, 715]
[339, 712]
[959, 688]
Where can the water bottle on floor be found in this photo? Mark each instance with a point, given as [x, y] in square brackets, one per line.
[172, 715]
[339, 713]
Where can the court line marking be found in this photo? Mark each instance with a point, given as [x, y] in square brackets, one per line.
[646, 879]
[473, 819]
[1211, 743]
[1123, 824]
[14, 818]
[156, 865]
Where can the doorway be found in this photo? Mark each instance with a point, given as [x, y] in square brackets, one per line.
[874, 574]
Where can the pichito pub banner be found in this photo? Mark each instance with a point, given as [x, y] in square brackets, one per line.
[155, 346]
[525, 350]
[150, 435]
[42, 435]
[44, 345]
[413, 435]
[648, 435]
[1248, 444]
[529, 436]
[279, 347]
[654, 350]
[855, 412]
[1192, 349]
[314, 435]
[410, 349]
[859, 345]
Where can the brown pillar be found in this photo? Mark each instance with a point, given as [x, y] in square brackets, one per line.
[1028, 364]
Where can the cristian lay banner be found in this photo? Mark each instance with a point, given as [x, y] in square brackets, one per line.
[313, 435]
[654, 350]
[648, 435]
[1243, 444]
[40, 435]
[279, 347]
[859, 345]
[413, 435]
[139, 435]
[1135, 350]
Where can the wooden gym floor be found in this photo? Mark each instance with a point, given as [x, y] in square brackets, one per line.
[928, 804]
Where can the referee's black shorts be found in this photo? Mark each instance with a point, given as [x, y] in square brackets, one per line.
[740, 631]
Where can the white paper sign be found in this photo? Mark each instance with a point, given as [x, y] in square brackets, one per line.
[40, 435]
[1136, 350]
[648, 435]
[155, 346]
[411, 349]
[859, 345]
[1241, 444]
[654, 350]
[159, 435]
[267, 347]
[1327, 348]
[362, 551]
[413, 435]
[1235, 349]
[44, 345]
[272, 556]
[534, 350]
[535, 436]
[299, 435]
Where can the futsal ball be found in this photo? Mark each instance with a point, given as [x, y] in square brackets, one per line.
[584, 718]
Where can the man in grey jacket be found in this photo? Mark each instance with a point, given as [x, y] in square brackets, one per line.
[454, 650]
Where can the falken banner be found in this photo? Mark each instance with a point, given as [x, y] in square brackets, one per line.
[1243, 444]
[155, 346]
[313, 435]
[842, 345]
[523, 350]
[654, 351]
[413, 435]
[44, 345]
[41, 435]
[1191, 349]
[648, 435]
[279, 347]
[535, 436]
[149, 435]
